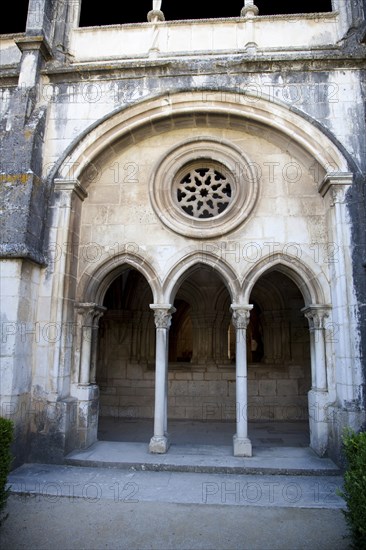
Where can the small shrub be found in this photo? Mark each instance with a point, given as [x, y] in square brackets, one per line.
[6, 437]
[354, 493]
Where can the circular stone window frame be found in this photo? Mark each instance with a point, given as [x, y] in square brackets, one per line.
[196, 154]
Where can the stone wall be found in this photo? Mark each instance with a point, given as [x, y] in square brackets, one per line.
[207, 393]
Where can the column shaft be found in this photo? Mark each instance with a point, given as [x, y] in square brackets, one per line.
[160, 384]
[241, 383]
[90, 315]
[318, 396]
[160, 441]
[316, 315]
[241, 317]
[87, 332]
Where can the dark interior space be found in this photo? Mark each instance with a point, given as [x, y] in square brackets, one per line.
[15, 19]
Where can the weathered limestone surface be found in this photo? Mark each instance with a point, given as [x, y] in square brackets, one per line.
[97, 126]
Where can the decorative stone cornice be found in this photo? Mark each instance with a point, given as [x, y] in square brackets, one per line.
[241, 315]
[72, 186]
[337, 183]
[163, 315]
[34, 43]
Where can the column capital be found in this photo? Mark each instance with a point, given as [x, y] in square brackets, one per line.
[316, 314]
[90, 312]
[241, 315]
[163, 315]
[35, 43]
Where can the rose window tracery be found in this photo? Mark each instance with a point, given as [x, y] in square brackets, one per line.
[204, 192]
[203, 188]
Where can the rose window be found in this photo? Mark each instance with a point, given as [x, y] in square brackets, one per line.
[203, 192]
[203, 188]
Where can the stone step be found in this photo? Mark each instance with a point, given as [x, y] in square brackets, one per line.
[204, 459]
[54, 482]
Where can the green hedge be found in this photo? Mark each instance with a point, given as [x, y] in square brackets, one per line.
[6, 437]
[354, 493]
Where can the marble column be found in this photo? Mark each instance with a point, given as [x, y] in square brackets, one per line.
[240, 319]
[159, 443]
[94, 348]
[90, 314]
[85, 390]
[318, 396]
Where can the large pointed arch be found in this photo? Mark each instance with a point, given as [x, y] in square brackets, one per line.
[158, 114]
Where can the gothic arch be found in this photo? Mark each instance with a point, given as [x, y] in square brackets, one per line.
[190, 263]
[158, 114]
[313, 287]
[93, 286]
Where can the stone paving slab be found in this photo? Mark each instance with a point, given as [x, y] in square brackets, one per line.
[54, 482]
[204, 458]
[78, 524]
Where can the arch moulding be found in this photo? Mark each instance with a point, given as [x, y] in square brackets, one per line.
[184, 267]
[269, 113]
[93, 285]
[313, 287]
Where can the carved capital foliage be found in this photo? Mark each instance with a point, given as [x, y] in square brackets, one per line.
[90, 313]
[316, 315]
[163, 315]
[241, 316]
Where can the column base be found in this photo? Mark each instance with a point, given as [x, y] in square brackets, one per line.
[319, 421]
[159, 445]
[242, 446]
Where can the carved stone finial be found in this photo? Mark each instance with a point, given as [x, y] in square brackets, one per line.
[249, 9]
[155, 15]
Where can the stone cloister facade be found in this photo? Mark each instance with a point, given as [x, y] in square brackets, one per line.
[183, 226]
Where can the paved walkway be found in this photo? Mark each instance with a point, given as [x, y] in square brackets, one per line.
[38, 523]
[70, 507]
